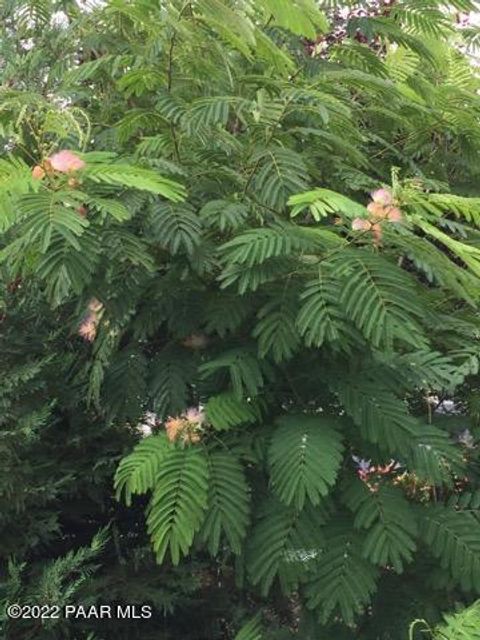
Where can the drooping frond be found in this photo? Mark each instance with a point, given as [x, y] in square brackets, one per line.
[226, 410]
[137, 472]
[284, 544]
[323, 202]
[228, 506]
[179, 502]
[175, 227]
[321, 317]
[125, 385]
[380, 298]
[131, 176]
[172, 371]
[390, 523]
[343, 581]
[275, 330]
[246, 374]
[454, 538]
[304, 458]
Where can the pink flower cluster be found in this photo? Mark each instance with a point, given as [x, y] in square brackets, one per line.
[371, 474]
[187, 427]
[88, 325]
[64, 161]
[382, 208]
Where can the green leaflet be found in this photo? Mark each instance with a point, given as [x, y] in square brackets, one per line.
[343, 581]
[464, 624]
[252, 630]
[246, 374]
[390, 523]
[178, 503]
[136, 178]
[321, 318]
[454, 537]
[137, 472]
[228, 503]
[284, 545]
[172, 369]
[302, 17]
[275, 330]
[304, 458]
[226, 410]
[323, 202]
[175, 227]
[380, 298]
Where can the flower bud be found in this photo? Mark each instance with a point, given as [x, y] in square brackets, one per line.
[38, 172]
[361, 224]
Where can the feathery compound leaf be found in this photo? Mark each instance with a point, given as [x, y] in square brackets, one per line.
[246, 373]
[390, 523]
[281, 172]
[227, 410]
[208, 112]
[466, 208]
[228, 503]
[65, 269]
[258, 245]
[124, 246]
[235, 28]
[304, 458]
[176, 227]
[323, 202]
[177, 508]
[15, 179]
[360, 56]
[51, 212]
[284, 543]
[276, 331]
[429, 370]
[468, 253]
[463, 625]
[252, 630]
[258, 297]
[454, 537]
[137, 472]
[224, 214]
[139, 81]
[344, 581]
[393, 33]
[321, 318]
[252, 278]
[125, 385]
[469, 500]
[380, 298]
[301, 17]
[109, 206]
[434, 457]
[172, 371]
[383, 418]
[225, 313]
[134, 177]
[422, 19]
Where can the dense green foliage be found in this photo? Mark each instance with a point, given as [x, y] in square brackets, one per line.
[225, 362]
[464, 624]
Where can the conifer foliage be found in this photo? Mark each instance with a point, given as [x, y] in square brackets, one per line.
[240, 271]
